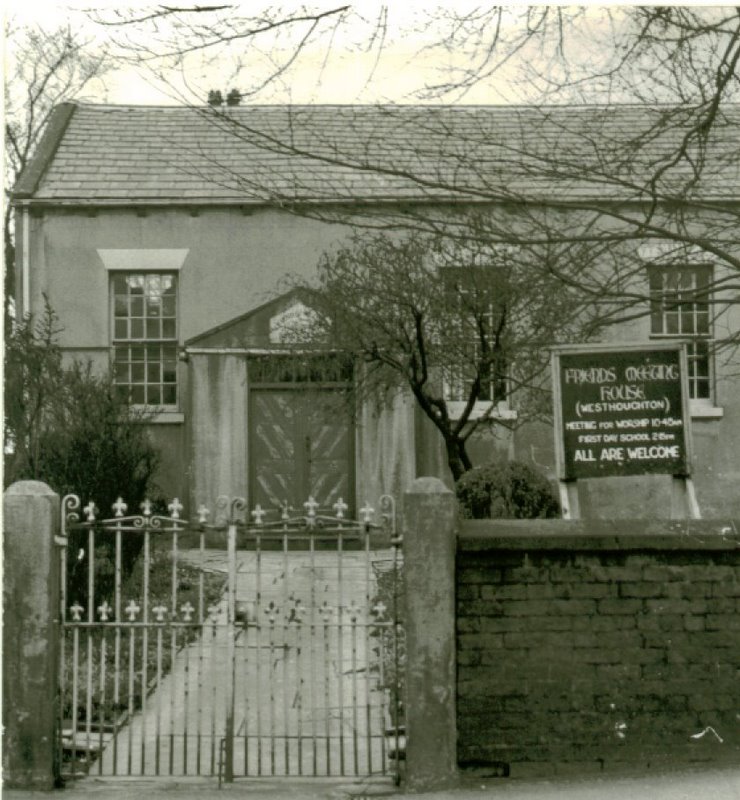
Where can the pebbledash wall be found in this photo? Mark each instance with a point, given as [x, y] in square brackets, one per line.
[234, 257]
[590, 645]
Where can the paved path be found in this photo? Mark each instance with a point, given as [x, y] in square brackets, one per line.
[305, 695]
[699, 784]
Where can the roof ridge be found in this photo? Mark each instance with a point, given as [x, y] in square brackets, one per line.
[400, 106]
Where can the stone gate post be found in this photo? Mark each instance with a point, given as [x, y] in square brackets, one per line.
[30, 632]
[429, 546]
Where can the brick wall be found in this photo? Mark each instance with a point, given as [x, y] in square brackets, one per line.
[589, 645]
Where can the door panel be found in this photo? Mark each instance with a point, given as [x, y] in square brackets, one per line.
[273, 448]
[301, 444]
[329, 475]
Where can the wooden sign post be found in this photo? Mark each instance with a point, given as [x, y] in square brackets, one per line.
[621, 410]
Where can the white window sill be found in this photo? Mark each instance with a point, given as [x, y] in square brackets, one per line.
[480, 410]
[159, 416]
[168, 417]
[703, 409]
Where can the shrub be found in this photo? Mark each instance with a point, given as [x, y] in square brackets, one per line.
[33, 376]
[506, 491]
[69, 428]
[390, 648]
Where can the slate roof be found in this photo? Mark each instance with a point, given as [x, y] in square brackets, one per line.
[102, 154]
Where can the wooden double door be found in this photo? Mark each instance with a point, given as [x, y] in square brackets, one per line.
[301, 445]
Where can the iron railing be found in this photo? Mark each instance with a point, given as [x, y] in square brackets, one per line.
[269, 636]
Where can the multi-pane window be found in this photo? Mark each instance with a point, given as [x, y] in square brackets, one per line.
[145, 337]
[680, 307]
[478, 294]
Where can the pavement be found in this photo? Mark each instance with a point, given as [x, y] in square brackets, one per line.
[694, 784]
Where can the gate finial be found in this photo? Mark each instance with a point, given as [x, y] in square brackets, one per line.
[271, 612]
[339, 508]
[353, 610]
[310, 505]
[119, 507]
[367, 512]
[175, 507]
[90, 510]
[298, 612]
[379, 609]
[132, 609]
[326, 612]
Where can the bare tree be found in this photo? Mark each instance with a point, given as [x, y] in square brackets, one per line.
[624, 181]
[596, 54]
[463, 327]
[250, 49]
[47, 67]
[586, 197]
[605, 189]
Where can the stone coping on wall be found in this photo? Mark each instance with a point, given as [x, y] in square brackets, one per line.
[613, 535]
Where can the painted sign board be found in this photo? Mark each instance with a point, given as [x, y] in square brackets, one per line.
[621, 410]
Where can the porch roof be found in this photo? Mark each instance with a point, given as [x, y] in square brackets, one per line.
[255, 330]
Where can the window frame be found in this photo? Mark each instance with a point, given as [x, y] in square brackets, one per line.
[691, 338]
[117, 343]
[491, 407]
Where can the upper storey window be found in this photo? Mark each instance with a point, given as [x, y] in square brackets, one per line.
[680, 299]
[476, 340]
[145, 337]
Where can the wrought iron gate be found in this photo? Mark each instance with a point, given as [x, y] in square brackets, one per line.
[244, 644]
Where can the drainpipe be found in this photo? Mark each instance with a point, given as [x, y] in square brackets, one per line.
[25, 264]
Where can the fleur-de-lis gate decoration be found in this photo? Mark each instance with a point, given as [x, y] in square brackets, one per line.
[114, 647]
[219, 649]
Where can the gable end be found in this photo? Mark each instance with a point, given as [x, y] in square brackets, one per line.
[31, 176]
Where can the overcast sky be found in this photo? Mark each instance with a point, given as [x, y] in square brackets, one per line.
[370, 56]
[345, 65]
[358, 62]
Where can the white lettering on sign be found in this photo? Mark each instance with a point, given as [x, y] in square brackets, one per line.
[632, 423]
[667, 422]
[592, 375]
[621, 412]
[656, 451]
[612, 454]
[634, 437]
[622, 391]
[631, 405]
[652, 372]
